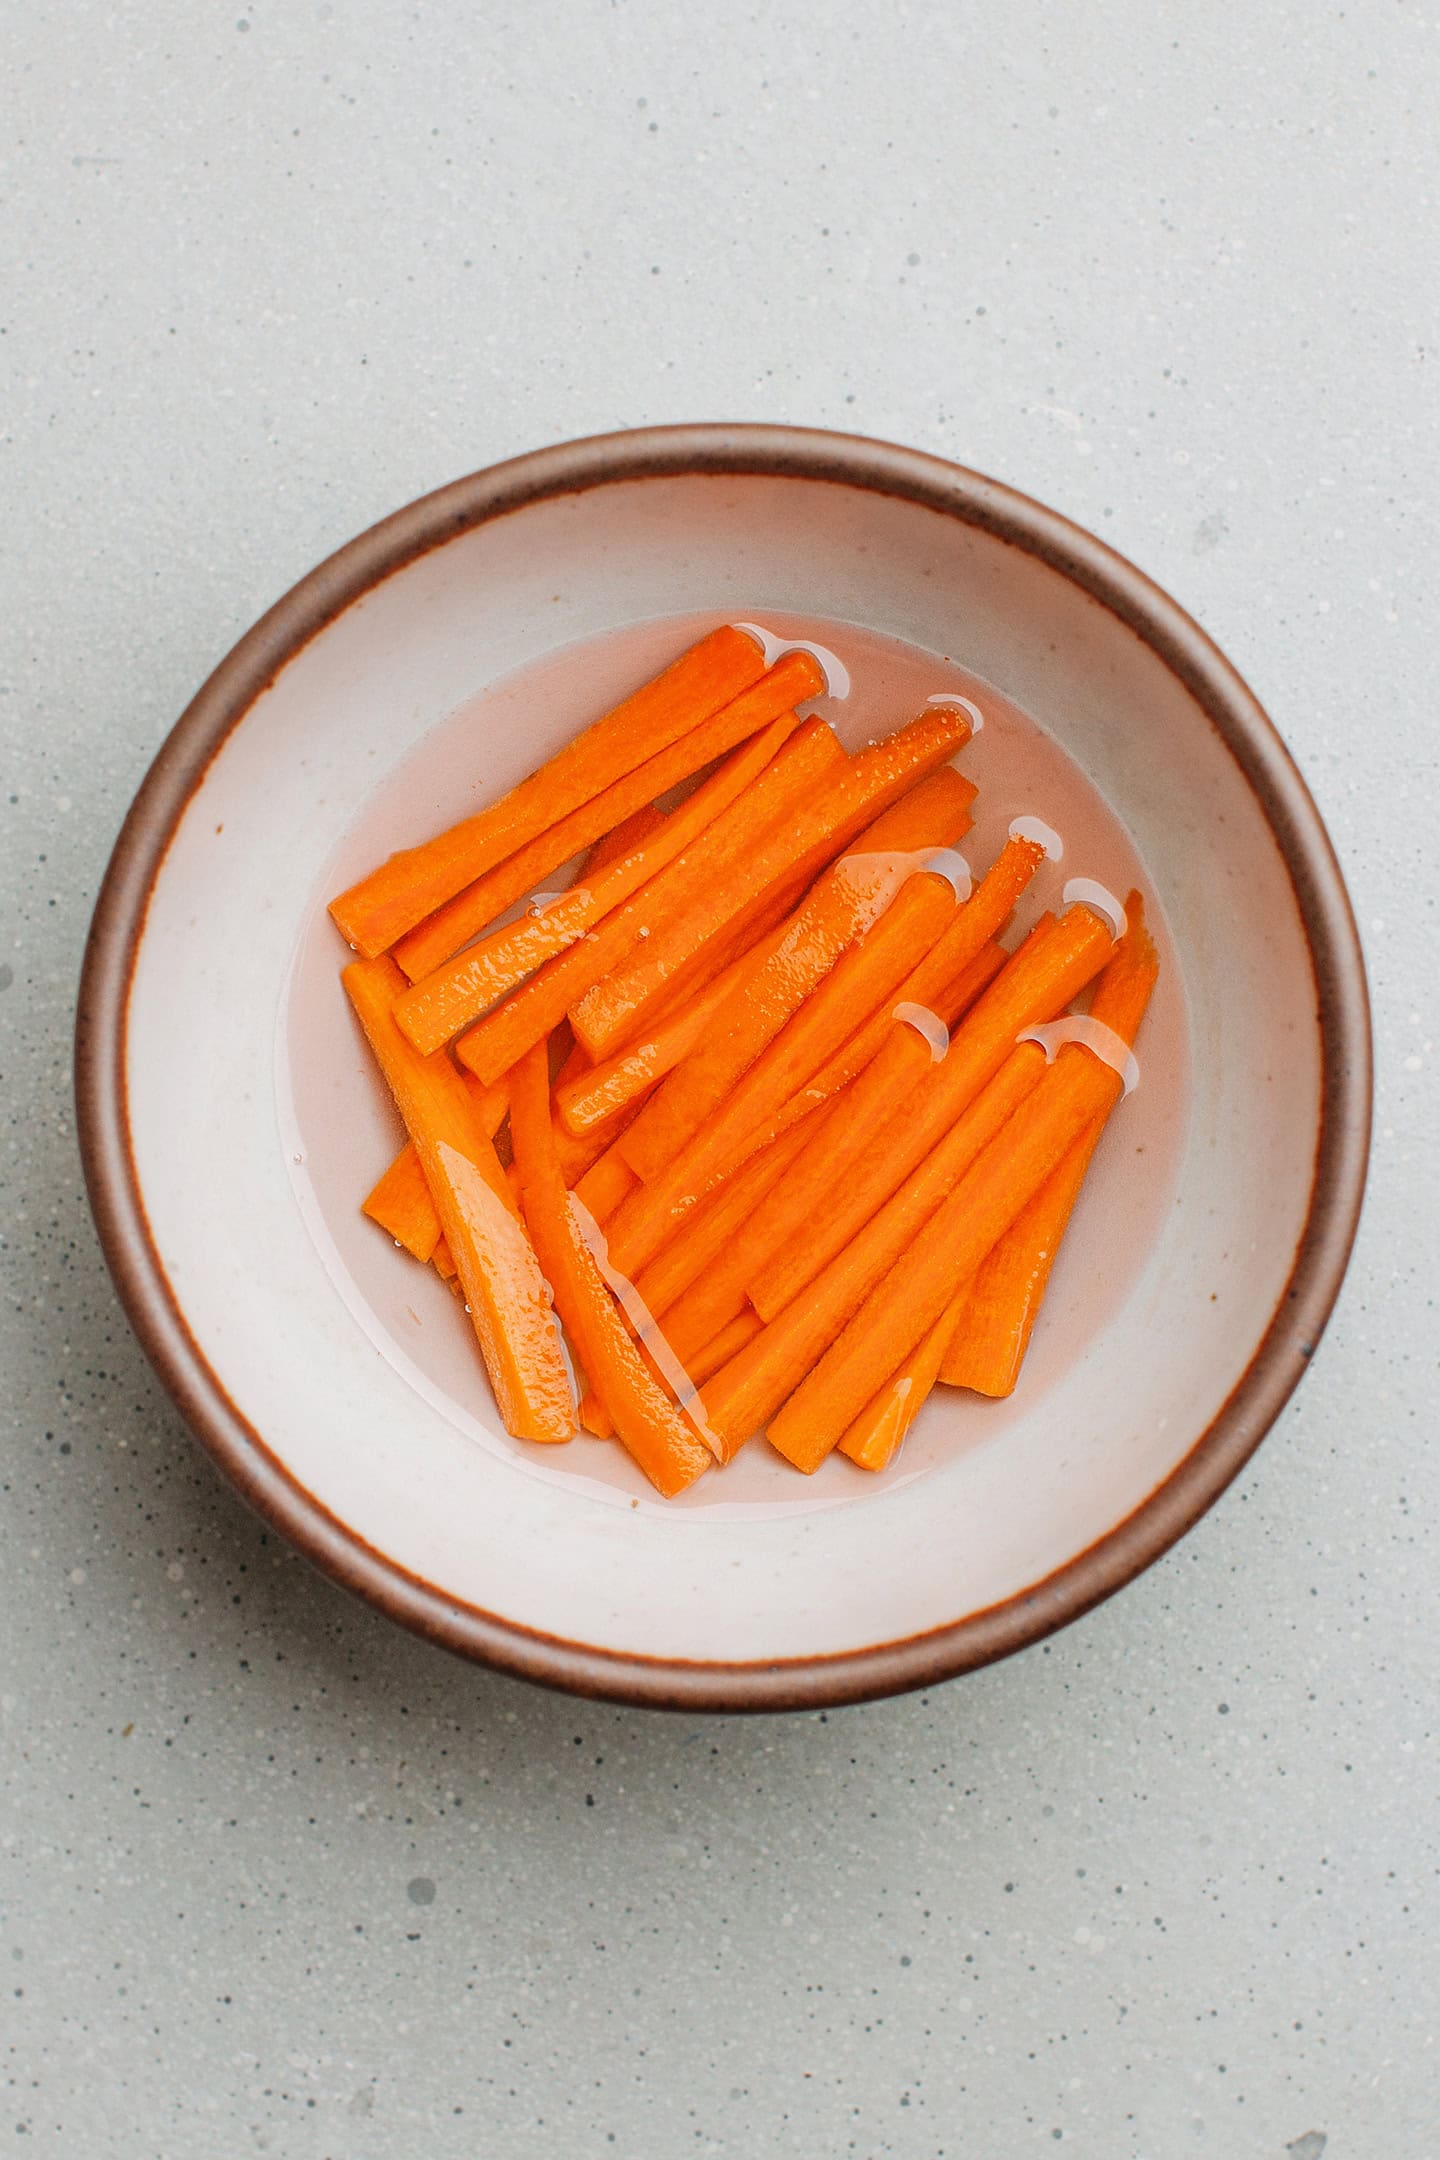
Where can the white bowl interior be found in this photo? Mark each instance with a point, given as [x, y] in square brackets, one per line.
[346, 1357]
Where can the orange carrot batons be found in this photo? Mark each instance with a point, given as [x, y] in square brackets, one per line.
[1071, 1095]
[732, 1338]
[662, 1440]
[631, 832]
[754, 1384]
[597, 1093]
[840, 907]
[411, 885]
[435, 940]
[775, 768]
[860, 790]
[699, 1247]
[945, 978]
[867, 1140]
[498, 1269]
[997, 1316]
[824, 1021]
[992, 1333]
[920, 951]
[436, 1008]
[873, 1153]
[873, 1438]
[858, 1050]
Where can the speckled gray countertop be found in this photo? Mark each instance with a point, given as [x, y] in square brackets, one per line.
[278, 1878]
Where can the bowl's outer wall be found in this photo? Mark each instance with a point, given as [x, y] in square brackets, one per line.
[1290, 880]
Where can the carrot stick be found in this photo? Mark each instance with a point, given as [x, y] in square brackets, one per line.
[1075, 1092]
[605, 1184]
[864, 787]
[492, 1103]
[992, 1329]
[967, 988]
[702, 1240]
[400, 1202]
[442, 934]
[712, 1303]
[896, 1112]
[540, 1004]
[812, 1214]
[400, 1199]
[662, 1440]
[855, 1055]
[841, 906]
[443, 1262]
[412, 884]
[503, 1285]
[710, 1238]
[571, 1064]
[433, 1010]
[594, 1096]
[873, 1438]
[754, 1384]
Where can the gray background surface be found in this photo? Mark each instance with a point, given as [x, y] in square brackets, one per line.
[277, 1878]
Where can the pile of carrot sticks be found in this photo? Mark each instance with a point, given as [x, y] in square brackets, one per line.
[746, 1107]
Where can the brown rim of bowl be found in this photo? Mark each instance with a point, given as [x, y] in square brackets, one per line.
[1342, 1015]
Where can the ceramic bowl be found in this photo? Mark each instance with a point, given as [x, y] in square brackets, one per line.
[229, 1122]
